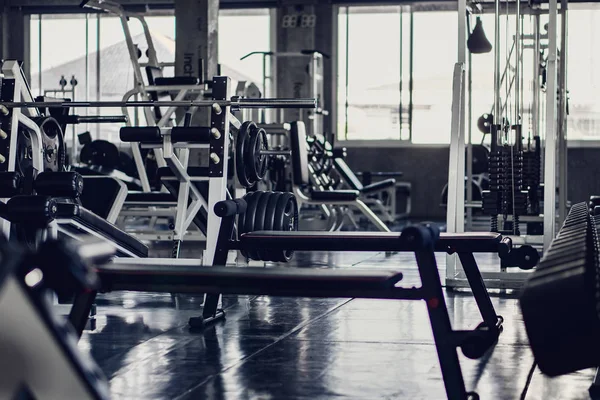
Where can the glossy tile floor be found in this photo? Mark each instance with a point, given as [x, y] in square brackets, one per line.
[295, 348]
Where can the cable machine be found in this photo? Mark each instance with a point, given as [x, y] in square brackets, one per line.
[526, 131]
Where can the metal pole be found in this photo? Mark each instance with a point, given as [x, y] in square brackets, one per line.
[40, 53]
[535, 112]
[347, 68]
[410, 72]
[551, 129]
[562, 90]
[469, 210]
[518, 56]
[400, 111]
[497, 101]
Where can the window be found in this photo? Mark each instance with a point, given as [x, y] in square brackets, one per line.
[583, 73]
[97, 54]
[376, 67]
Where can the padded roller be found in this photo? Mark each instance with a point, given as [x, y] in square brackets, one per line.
[59, 184]
[32, 210]
[191, 134]
[229, 208]
[142, 134]
[10, 184]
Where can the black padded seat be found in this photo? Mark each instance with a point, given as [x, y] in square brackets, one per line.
[193, 172]
[248, 280]
[150, 197]
[100, 225]
[334, 195]
[378, 186]
[473, 242]
[370, 241]
[176, 81]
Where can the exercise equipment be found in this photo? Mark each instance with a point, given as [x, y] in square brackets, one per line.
[560, 300]
[252, 152]
[183, 276]
[270, 211]
[39, 357]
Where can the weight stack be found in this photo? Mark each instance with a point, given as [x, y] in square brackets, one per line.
[561, 300]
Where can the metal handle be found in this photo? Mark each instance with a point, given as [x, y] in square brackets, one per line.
[96, 119]
[275, 153]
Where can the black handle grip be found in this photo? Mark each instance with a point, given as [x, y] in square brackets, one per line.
[95, 119]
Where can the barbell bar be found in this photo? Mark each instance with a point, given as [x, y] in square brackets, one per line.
[275, 152]
[235, 103]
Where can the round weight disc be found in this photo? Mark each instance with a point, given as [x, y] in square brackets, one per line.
[241, 144]
[252, 200]
[255, 162]
[259, 221]
[270, 254]
[53, 144]
[286, 219]
[241, 221]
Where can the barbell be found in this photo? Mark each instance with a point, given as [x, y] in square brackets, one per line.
[252, 150]
[235, 103]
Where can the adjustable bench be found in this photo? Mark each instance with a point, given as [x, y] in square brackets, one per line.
[301, 172]
[188, 276]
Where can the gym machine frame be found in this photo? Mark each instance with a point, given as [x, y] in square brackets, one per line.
[143, 90]
[555, 139]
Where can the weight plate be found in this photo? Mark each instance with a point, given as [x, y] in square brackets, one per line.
[241, 143]
[269, 221]
[256, 164]
[259, 220]
[286, 219]
[241, 221]
[252, 200]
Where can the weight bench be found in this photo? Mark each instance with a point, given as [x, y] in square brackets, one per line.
[301, 172]
[187, 276]
[372, 193]
[57, 208]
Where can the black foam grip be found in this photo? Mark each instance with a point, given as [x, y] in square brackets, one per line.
[229, 208]
[59, 184]
[142, 134]
[226, 208]
[194, 134]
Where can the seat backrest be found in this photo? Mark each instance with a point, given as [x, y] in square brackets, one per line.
[347, 173]
[299, 153]
[104, 196]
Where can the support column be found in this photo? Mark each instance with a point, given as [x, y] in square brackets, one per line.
[14, 36]
[196, 42]
[300, 28]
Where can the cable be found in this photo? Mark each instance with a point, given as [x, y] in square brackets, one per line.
[528, 382]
